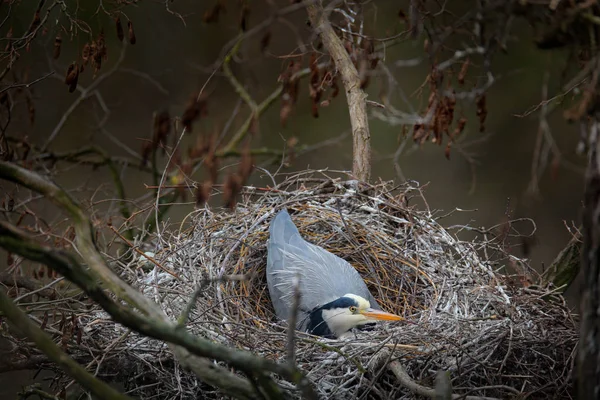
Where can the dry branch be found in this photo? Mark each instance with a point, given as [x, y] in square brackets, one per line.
[47, 345]
[355, 96]
[466, 318]
[154, 322]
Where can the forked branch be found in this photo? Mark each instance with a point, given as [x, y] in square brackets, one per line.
[355, 96]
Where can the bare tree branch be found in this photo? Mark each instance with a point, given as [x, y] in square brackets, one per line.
[45, 343]
[355, 96]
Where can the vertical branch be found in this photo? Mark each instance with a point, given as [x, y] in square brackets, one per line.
[355, 96]
[588, 371]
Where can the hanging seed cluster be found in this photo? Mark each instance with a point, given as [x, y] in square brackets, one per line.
[440, 111]
[93, 54]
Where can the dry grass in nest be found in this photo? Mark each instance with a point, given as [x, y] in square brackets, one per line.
[494, 338]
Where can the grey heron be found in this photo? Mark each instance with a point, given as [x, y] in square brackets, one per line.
[333, 297]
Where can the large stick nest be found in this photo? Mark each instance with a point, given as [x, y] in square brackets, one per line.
[463, 316]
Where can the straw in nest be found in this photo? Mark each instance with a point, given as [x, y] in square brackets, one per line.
[494, 339]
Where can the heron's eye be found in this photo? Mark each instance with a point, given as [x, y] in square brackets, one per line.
[352, 309]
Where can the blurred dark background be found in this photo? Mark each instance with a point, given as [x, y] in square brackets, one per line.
[487, 173]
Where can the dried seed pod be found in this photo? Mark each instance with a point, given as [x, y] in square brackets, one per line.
[203, 193]
[481, 111]
[284, 112]
[292, 143]
[265, 41]
[463, 72]
[212, 15]
[162, 127]
[146, 150]
[335, 88]
[30, 109]
[131, 32]
[119, 26]
[244, 17]
[69, 75]
[35, 23]
[246, 163]
[194, 109]
[232, 188]
[72, 77]
[57, 47]
[85, 53]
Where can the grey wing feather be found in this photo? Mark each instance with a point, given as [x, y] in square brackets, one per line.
[323, 276]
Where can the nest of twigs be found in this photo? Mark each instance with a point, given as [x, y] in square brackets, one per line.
[495, 339]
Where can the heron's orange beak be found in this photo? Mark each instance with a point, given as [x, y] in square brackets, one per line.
[380, 315]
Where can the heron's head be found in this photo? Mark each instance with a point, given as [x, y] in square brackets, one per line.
[338, 317]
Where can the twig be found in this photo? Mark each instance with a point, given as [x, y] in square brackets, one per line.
[85, 239]
[147, 256]
[15, 241]
[185, 315]
[84, 95]
[414, 387]
[35, 390]
[29, 284]
[47, 345]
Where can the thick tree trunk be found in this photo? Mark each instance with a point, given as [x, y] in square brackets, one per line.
[588, 368]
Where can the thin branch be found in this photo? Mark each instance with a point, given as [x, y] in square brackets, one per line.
[424, 391]
[14, 240]
[47, 345]
[29, 284]
[84, 95]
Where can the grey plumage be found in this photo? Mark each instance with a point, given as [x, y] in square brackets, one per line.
[323, 276]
